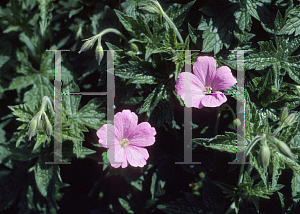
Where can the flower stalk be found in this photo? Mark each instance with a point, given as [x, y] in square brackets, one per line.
[156, 8]
[99, 49]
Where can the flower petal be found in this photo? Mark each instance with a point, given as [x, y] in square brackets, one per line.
[223, 79]
[197, 88]
[125, 122]
[214, 100]
[117, 157]
[102, 135]
[136, 156]
[143, 135]
[205, 69]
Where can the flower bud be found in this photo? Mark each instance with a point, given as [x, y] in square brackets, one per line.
[284, 114]
[237, 122]
[99, 52]
[34, 125]
[265, 155]
[47, 127]
[284, 149]
[289, 119]
[87, 45]
[134, 47]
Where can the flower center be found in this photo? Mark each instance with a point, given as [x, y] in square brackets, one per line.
[125, 142]
[208, 89]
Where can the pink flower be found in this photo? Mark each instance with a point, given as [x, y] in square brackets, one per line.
[129, 140]
[206, 79]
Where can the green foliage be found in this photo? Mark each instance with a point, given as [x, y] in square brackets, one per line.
[149, 55]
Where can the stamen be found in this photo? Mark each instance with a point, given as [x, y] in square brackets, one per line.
[125, 142]
[208, 89]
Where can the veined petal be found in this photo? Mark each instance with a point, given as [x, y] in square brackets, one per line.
[205, 69]
[223, 79]
[197, 88]
[125, 122]
[136, 156]
[102, 135]
[143, 135]
[214, 100]
[117, 156]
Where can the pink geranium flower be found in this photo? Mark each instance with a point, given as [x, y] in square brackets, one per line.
[206, 79]
[129, 140]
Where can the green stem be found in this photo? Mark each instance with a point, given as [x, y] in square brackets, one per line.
[218, 119]
[174, 27]
[232, 112]
[111, 30]
[161, 11]
[45, 101]
[241, 173]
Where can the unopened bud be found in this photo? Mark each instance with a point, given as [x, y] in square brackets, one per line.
[34, 125]
[265, 155]
[284, 114]
[134, 47]
[284, 149]
[99, 52]
[289, 119]
[237, 122]
[47, 127]
[87, 45]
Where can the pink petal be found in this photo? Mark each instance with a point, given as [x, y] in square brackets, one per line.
[102, 135]
[205, 69]
[197, 88]
[142, 135]
[223, 79]
[117, 155]
[125, 122]
[214, 100]
[136, 156]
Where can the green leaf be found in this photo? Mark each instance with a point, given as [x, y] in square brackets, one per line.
[294, 166]
[192, 33]
[152, 100]
[222, 143]
[252, 9]
[178, 12]
[3, 59]
[44, 174]
[23, 112]
[157, 187]
[138, 183]
[293, 22]
[42, 87]
[137, 28]
[277, 168]
[125, 205]
[278, 58]
[46, 7]
[263, 173]
[260, 190]
[138, 72]
[89, 115]
[21, 135]
[153, 183]
[218, 30]
[243, 18]
[295, 184]
[85, 151]
[188, 205]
